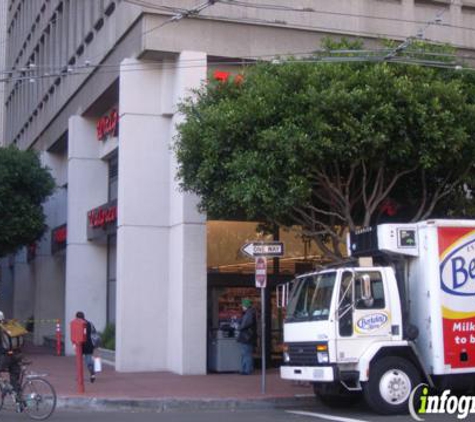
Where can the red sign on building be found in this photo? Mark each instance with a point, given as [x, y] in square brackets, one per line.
[58, 238]
[102, 216]
[102, 220]
[108, 126]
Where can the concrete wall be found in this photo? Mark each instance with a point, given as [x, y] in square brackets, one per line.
[3, 45]
[50, 270]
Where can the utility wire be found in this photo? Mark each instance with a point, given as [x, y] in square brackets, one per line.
[302, 9]
[407, 42]
[90, 67]
[321, 55]
[237, 3]
[334, 56]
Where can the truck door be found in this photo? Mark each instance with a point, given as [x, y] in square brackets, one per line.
[361, 322]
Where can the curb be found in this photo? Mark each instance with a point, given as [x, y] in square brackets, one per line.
[171, 404]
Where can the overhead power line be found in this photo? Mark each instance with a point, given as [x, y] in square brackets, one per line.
[282, 8]
[302, 9]
[420, 33]
[427, 59]
[32, 73]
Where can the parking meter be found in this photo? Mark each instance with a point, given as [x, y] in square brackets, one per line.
[78, 338]
[78, 331]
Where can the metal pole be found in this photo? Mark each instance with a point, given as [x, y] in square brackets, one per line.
[58, 338]
[263, 340]
[79, 367]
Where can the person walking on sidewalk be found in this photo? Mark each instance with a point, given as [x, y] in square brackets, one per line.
[247, 337]
[88, 346]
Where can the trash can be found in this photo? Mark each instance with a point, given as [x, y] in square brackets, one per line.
[224, 353]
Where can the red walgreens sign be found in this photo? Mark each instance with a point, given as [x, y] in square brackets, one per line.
[108, 126]
[102, 221]
[59, 236]
[102, 216]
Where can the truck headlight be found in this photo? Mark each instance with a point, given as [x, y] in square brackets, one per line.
[285, 353]
[323, 357]
[322, 353]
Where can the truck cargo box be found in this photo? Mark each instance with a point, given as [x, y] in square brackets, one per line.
[441, 291]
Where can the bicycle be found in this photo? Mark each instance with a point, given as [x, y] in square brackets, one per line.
[37, 396]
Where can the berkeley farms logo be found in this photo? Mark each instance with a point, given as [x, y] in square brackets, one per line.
[372, 322]
[457, 270]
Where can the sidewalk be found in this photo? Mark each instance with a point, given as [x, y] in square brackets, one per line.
[162, 391]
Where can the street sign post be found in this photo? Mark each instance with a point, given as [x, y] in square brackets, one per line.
[260, 251]
[261, 283]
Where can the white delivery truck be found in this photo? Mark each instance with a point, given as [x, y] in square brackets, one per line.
[403, 316]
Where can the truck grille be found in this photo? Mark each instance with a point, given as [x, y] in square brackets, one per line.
[304, 354]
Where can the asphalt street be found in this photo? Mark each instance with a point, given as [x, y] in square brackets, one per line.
[267, 415]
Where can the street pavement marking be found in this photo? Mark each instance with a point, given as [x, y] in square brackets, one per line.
[324, 416]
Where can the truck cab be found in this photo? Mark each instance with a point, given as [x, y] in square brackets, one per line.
[336, 321]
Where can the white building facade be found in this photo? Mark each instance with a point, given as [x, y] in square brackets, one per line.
[94, 89]
[3, 43]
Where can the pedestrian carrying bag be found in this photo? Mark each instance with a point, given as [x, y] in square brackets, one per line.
[95, 337]
[97, 364]
[12, 335]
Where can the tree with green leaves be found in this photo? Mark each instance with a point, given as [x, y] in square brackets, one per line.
[327, 146]
[24, 186]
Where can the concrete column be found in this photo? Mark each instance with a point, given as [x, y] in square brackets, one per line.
[143, 216]
[86, 262]
[161, 268]
[188, 281]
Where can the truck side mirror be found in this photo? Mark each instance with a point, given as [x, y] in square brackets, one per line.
[366, 295]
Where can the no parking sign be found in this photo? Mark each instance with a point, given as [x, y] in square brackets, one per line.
[261, 272]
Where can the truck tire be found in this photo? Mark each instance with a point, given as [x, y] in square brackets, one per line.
[335, 395]
[391, 381]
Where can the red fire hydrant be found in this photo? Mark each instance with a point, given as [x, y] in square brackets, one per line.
[78, 338]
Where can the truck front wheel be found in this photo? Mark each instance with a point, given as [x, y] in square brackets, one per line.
[391, 380]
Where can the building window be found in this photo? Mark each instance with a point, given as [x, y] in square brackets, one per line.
[113, 177]
[111, 278]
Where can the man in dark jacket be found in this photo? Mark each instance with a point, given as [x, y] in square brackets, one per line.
[88, 347]
[247, 337]
[10, 361]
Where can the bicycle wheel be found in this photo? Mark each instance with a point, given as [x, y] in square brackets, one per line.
[39, 398]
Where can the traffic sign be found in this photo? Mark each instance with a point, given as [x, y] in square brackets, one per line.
[261, 272]
[255, 249]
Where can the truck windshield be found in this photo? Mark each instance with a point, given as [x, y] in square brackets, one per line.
[311, 297]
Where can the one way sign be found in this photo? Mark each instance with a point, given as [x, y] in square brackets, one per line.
[255, 249]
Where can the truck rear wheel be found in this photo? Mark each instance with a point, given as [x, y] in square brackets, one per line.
[391, 381]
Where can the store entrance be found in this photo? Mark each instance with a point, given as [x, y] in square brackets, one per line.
[225, 292]
[231, 278]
